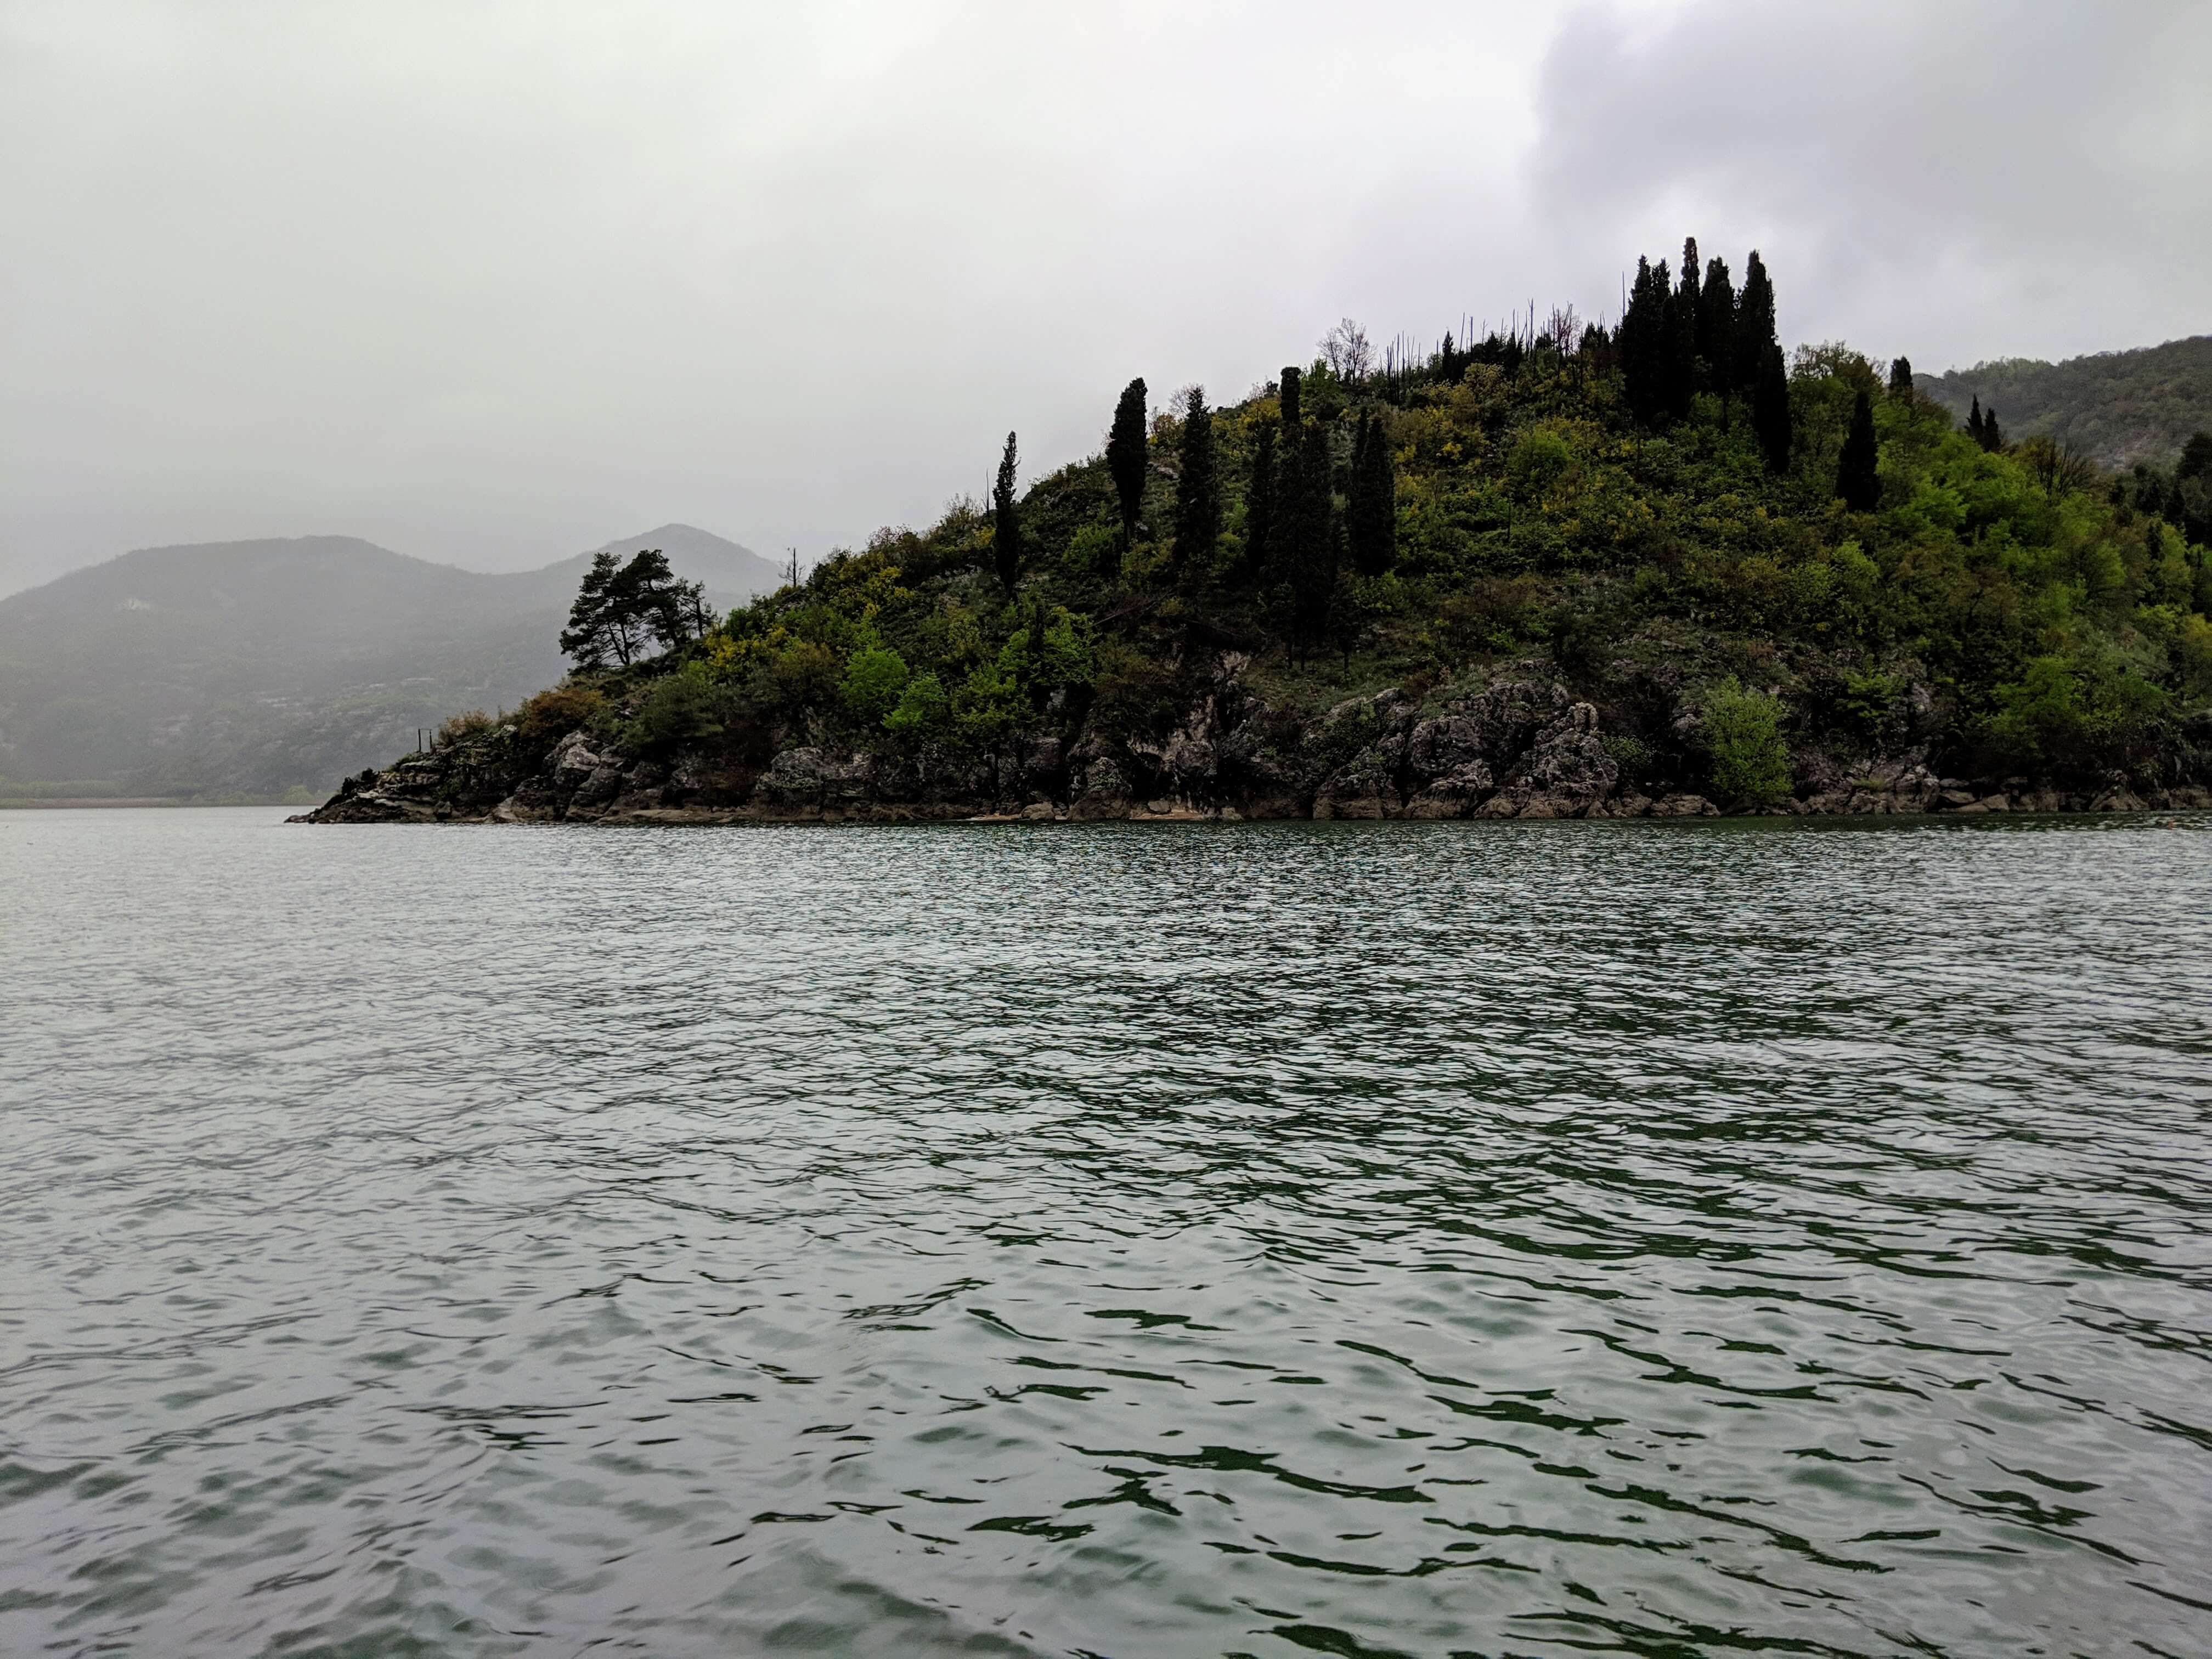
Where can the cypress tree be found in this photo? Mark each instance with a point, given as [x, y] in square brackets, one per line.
[1974, 420]
[1770, 411]
[1311, 529]
[1992, 434]
[1644, 343]
[1371, 509]
[1754, 324]
[1856, 481]
[1007, 522]
[1682, 335]
[1293, 417]
[1198, 490]
[1259, 497]
[1716, 329]
[1126, 455]
[1900, 378]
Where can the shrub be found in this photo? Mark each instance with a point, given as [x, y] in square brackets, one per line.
[461, 727]
[545, 720]
[1743, 729]
[873, 682]
[922, 711]
[676, 710]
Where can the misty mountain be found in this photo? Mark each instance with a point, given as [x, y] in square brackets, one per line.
[265, 667]
[2116, 407]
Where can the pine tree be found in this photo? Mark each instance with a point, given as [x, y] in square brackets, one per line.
[587, 638]
[1197, 491]
[1006, 523]
[1126, 456]
[1754, 324]
[1900, 378]
[1856, 479]
[1716, 329]
[1293, 417]
[1770, 411]
[1260, 499]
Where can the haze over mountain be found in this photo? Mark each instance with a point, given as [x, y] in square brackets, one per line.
[2115, 407]
[268, 667]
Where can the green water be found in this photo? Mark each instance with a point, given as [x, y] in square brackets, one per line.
[1276, 1239]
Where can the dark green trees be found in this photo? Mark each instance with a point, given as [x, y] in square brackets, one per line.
[1125, 454]
[1310, 533]
[1716, 329]
[1293, 414]
[1259, 495]
[1854, 468]
[1755, 325]
[1682, 335]
[620, 607]
[1645, 344]
[1770, 411]
[1007, 522]
[1370, 513]
[1900, 377]
[1982, 426]
[1198, 490]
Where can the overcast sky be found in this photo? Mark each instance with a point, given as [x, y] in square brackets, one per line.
[491, 283]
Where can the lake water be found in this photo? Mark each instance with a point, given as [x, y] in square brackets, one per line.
[1115, 1240]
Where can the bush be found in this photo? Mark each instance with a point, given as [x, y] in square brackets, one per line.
[461, 727]
[1743, 729]
[545, 720]
[676, 710]
[922, 712]
[873, 682]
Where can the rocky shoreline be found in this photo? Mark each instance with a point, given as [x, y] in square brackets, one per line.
[1517, 749]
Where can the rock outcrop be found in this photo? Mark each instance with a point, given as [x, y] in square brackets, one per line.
[1521, 747]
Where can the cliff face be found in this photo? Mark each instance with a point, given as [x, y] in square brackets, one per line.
[1521, 747]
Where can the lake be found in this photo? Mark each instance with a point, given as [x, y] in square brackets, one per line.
[1658, 1239]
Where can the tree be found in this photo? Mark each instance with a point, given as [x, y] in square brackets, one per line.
[1312, 532]
[1682, 335]
[1771, 421]
[1126, 457]
[1260, 501]
[1900, 377]
[643, 601]
[1644, 343]
[1345, 350]
[1992, 434]
[1007, 522]
[1292, 415]
[1717, 328]
[587, 637]
[1371, 511]
[1974, 421]
[1198, 490]
[1856, 481]
[1751, 762]
[1754, 324]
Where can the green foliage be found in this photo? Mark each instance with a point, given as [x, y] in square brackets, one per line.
[1743, 732]
[675, 710]
[923, 713]
[1197, 491]
[2116, 408]
[1855, 481]
[1007, 522]
[874, 680]
[1126, 455]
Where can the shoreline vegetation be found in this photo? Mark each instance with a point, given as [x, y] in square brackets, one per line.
[1558, 571]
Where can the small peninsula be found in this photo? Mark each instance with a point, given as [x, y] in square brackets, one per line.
[1557, 571]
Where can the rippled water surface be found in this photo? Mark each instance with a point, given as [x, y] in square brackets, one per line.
[1124, 1241]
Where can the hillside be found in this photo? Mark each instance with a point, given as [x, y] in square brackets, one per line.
[2116, 408]
[262, 668]
[1579, 575]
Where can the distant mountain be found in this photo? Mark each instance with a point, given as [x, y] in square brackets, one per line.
[273, 668]
[2116, 407]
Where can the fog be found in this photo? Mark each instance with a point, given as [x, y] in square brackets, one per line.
[494, 283]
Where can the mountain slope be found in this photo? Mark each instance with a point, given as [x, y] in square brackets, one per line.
[259, 667]
[2116, 407]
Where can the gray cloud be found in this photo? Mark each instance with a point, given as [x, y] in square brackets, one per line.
[492, 284]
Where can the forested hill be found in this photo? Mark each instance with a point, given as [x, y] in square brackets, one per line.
[2116, 408]
[1573, 572]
